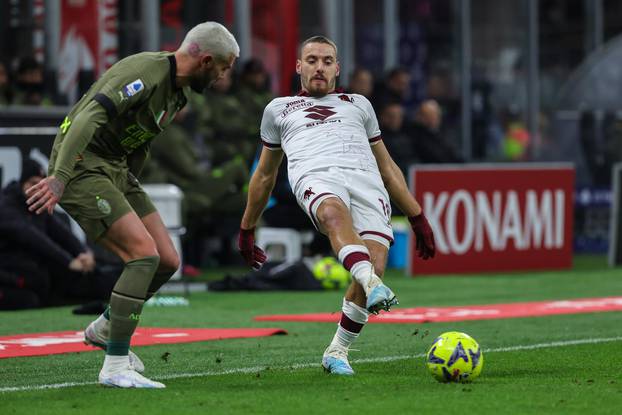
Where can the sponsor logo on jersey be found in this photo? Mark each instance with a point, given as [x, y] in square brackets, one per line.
[319, 112]
[298, 101]
[133, 88]
[135, 137]
[295, 106]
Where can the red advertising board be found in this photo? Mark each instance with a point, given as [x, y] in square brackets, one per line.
[88, 40]
[495, 217]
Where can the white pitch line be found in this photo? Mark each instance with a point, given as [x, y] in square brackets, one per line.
[297, 366]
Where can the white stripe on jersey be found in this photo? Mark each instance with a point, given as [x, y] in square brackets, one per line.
[317, 133]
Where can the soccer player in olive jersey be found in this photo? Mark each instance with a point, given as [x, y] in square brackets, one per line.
[342, 176]
[98, 152]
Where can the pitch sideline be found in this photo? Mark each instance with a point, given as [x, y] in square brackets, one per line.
[295, 366]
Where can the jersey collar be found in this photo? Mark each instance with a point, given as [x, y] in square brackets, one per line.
[173, 70]
[303, 93]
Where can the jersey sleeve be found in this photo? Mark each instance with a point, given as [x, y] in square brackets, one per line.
[270, 134]
[124, 90]
[371, 122]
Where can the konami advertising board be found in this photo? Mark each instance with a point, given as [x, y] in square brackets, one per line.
[495, 217]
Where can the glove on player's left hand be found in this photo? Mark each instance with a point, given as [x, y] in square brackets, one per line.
[424, 235]
[253, 255]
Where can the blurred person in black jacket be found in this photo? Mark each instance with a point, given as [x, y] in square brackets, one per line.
[400, 144]
[361, 82]
[430, 145]
[41, 261]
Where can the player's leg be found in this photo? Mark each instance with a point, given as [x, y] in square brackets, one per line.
[98, 332]
[378, 253]
[324, 198]
[335, 220]
[145, 209]
[354, 315]
[169, 258]
[370, 218]
[95, 199]
[130, 240]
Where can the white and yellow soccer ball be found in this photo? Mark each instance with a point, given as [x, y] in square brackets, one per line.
[331, 273]
[455, 357]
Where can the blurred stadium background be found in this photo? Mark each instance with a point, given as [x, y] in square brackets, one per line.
[504, 114]
[516, 81]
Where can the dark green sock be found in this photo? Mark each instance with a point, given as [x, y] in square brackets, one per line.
[159, 279]
[126, 302]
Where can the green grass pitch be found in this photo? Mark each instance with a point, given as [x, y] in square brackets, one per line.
[568, 364]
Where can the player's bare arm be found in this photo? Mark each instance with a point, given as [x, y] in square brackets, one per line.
[394, 181]
[261, 185]
[398, 190]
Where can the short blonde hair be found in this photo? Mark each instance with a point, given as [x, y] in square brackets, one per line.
[211, 37]
[317, 39]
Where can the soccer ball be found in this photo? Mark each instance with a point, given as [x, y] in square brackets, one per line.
[331, 273]
[455, 357]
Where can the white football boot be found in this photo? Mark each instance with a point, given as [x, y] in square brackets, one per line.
[118, 373]
[379, 296]
[335, 361]
[96, 334]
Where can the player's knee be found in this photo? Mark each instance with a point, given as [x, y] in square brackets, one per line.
[170, 262]
[332, 215]
[144, 247]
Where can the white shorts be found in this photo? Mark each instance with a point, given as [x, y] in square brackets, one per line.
[362, 192]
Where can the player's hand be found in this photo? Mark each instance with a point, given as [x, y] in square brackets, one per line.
[88, 261]
[77, 265]
[253, 255]
[424, 235]
[44, 195]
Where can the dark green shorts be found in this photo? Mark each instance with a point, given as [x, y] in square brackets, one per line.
[100, 192]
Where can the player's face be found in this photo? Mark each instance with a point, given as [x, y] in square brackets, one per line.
[210, 71]
[318, 69]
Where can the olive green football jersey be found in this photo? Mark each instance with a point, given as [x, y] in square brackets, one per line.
[140, 98]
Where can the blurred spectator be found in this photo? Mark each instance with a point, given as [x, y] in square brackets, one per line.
[223, 124]
[361, 82]
[41, 261]
[5, 85]
[29, 85]
[253, 92]
[430, 145]
[400, 145]
[208, 193]
[213, 197]
[486, 129]
[396, 88]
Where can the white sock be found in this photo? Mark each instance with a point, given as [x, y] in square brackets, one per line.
[344, 338]
[361, 270]
[114, 364]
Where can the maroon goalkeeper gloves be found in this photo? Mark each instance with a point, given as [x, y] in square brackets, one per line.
[253, 255]
[424, 235]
